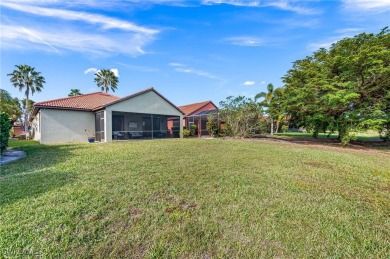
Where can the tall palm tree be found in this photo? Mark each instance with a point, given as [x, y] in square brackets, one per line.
[267, 101]
[106, 79]
[29, 80]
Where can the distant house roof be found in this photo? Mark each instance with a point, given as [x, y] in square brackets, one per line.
[206, 112]
[90, 102]
[192, 108]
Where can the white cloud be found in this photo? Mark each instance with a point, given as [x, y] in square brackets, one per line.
[91, 70]
[314, 46]
[288, 5]
[115, 71]
[138, 68]
[249, 83]
[105, 21]
[94, 70]
[233, 2]
[263, 82]
[285, 5]
[367, 5]
[99, 4]
[176, 65]
[280, 4]
[72, 39]
[83, 32]
[245, 41]
[185, 69]
[337, 35]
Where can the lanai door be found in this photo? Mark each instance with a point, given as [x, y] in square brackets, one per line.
[99, 126]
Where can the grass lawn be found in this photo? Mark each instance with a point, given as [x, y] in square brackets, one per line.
[195, 198]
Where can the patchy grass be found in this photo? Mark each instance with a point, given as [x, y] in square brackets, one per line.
[362, 136]
[195, 198]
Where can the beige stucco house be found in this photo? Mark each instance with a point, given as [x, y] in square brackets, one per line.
[143, 115]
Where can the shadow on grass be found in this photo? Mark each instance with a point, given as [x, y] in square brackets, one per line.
[30, 185]
[371, 143]
[40, 171]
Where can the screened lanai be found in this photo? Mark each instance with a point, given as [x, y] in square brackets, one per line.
[129, 126]
[200, 120]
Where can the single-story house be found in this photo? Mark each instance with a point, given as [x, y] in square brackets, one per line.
[142, 115]
[196, 114]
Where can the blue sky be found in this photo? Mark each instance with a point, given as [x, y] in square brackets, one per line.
[189, 51]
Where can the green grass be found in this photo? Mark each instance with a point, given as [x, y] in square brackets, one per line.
[195, 198]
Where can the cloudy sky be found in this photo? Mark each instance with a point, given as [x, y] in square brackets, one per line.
[189, 50]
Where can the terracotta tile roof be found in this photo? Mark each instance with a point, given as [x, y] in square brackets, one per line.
[189, 109]
[91, 102]
[80, 102]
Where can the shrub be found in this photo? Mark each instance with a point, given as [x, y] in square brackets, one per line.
[186, 132]
[5, 126]
[284, 128]
[193, 130]
[212, 125]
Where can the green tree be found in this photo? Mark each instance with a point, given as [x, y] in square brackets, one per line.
[343, 89]
[5, 126]
[106, 79]
[241, 116]
[30, 104]
[266, 103]
[10, 105]
[26, 78]
[74, 92]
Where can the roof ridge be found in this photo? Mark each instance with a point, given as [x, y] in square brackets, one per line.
[71, 97]
[127, 96]
[195, 103]
[149, 89]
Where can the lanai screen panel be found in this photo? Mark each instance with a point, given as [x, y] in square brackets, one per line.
[129, 126]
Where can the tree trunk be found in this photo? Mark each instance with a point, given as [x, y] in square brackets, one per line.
[26, 110]
[277, 126]
[272, 126]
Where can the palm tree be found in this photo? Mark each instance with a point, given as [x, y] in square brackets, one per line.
[74, 92]
[105, 79]
[26, 78]
[267, 101]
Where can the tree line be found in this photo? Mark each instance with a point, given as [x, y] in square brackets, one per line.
[344, 89]
[29, 81]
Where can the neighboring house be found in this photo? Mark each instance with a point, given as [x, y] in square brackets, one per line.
[16, 129]
[143, 115]
[196, 114]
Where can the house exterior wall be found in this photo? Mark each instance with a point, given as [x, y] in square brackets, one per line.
[17, 131]
[35, 125]
[147, 103]
[58, 126]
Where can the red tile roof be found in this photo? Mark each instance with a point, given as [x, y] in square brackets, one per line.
[189, 109]
[139, 93]
[91, 102]
[80, 102]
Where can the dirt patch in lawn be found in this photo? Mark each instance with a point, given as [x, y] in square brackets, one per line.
[377, 147]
